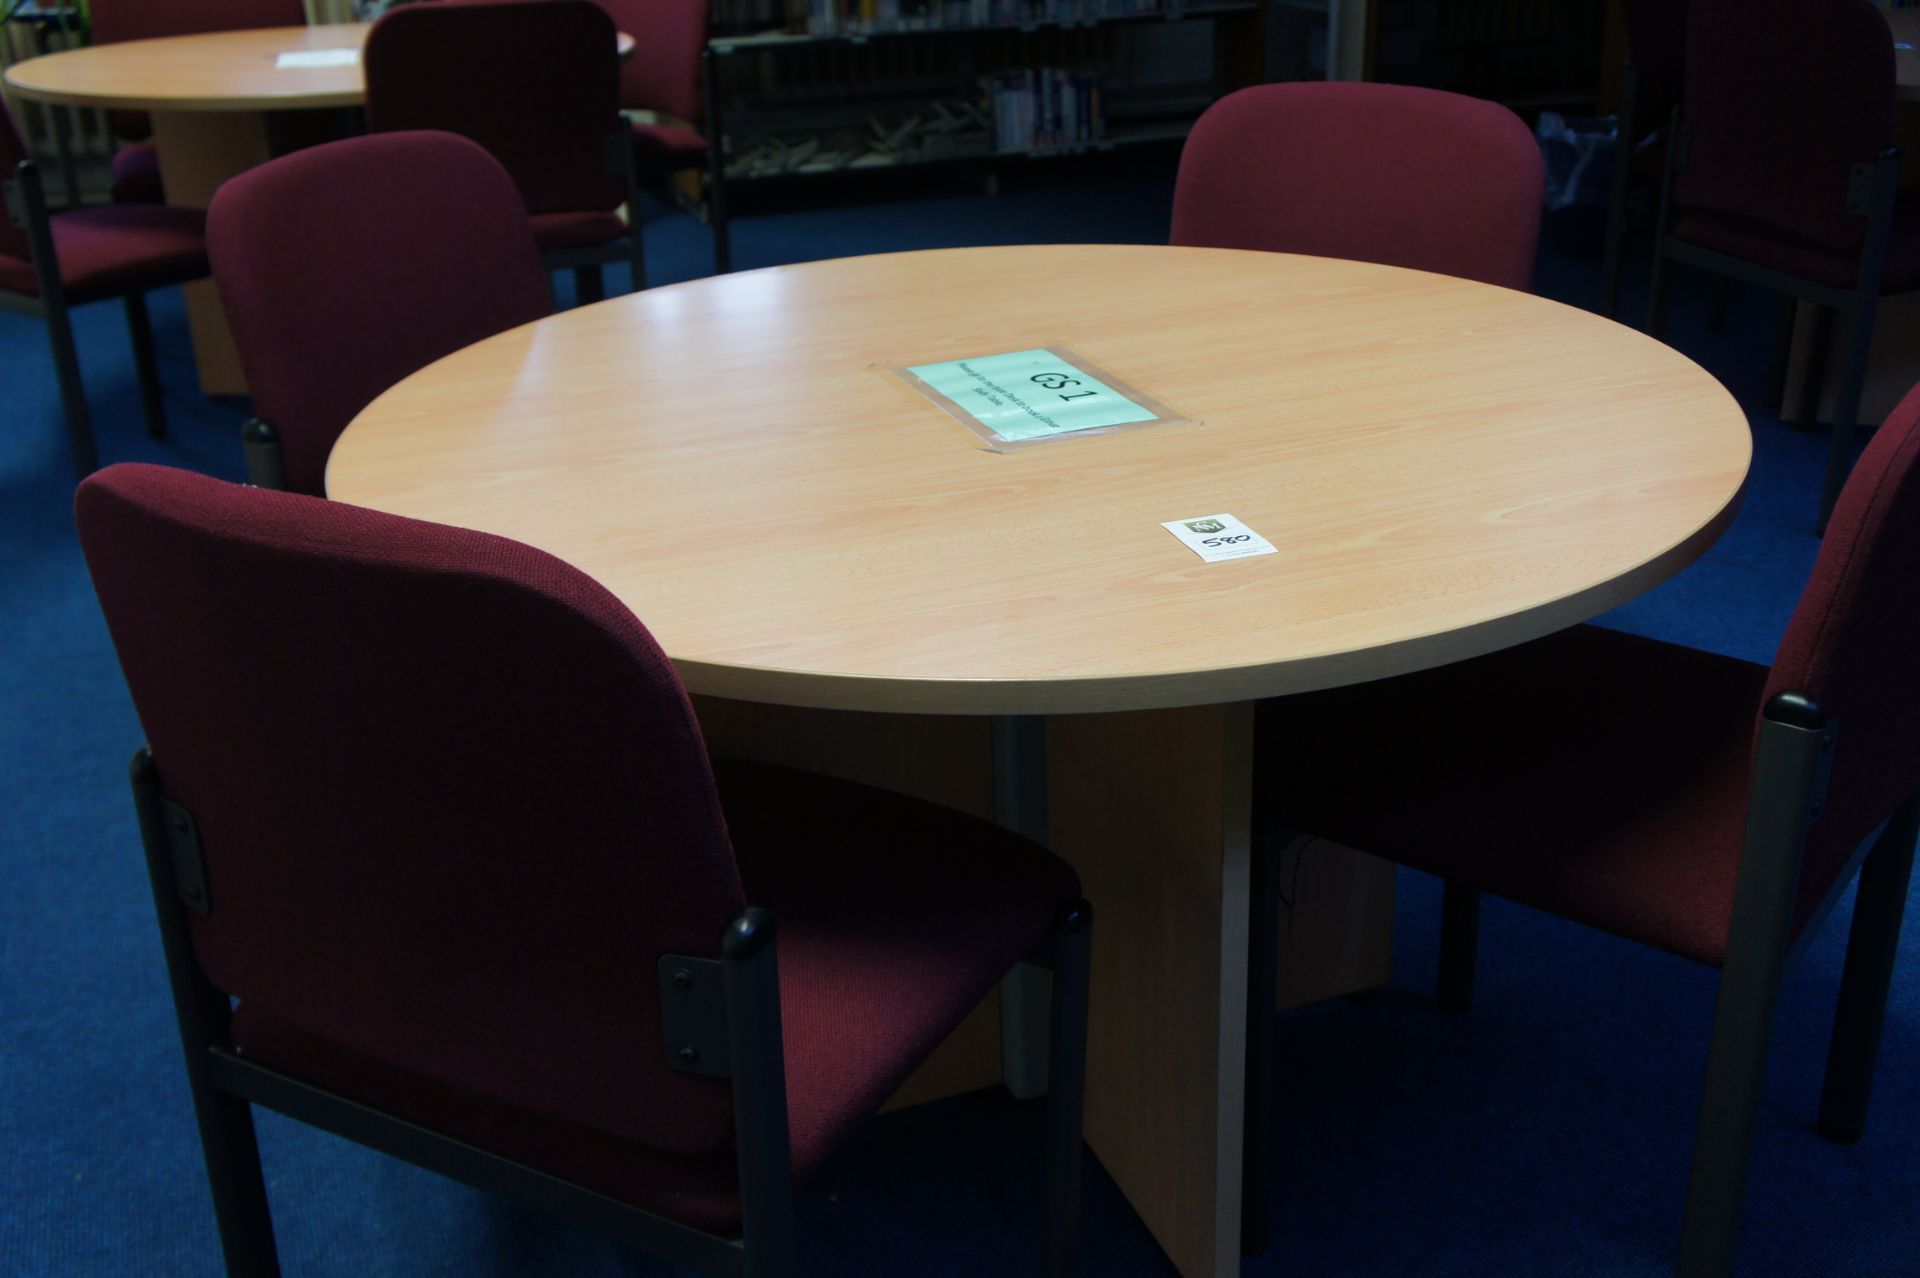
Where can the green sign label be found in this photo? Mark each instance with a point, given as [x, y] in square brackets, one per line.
[1030, 394]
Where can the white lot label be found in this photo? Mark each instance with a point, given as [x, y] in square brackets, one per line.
[1214, 537]
[318, 58]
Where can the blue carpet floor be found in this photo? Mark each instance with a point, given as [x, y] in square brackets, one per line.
[1546, 1133]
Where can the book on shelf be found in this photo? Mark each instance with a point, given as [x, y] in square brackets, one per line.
[1041, 108]
[859, 17]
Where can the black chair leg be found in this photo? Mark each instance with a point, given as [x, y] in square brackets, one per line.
[1846, 411]
[1657, 287]
[758, 1064]
[140, 329]
[1724, 1144]
[715, 192]
[1263, 960]
[73, 392]
[1459, 946]
[1617, 192]
[239, 1190]
[1066, 1091]
[1786, 793]
[1717, 304]
[227, 1143]
[1782, 352]
[636, 254]
[722, 243]
[588, 286]
[1813, 380]
[1878, 905]
[1657, 299]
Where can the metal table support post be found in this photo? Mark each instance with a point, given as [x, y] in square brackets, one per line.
[1020, 804]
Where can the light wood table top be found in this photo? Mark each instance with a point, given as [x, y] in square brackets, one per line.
[1446, 468]
[211, 71]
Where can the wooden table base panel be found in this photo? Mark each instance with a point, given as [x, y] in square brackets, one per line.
[198, 151]
[1152, 808]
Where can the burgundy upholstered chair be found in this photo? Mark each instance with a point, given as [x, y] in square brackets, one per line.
[1696, 803]
[1649, 91]
[136, 168]
[1794, 191]
[52, 262]
[667, 78]
[347, 266]
[537, 83]
[1372, 172]
[484, 903]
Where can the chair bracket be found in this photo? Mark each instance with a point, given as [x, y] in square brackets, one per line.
[15, 203]
[1822, 775]
[189, 863]
[1861, 179]
[693, 1015]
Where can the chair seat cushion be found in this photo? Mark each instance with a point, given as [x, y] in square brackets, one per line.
[666, 148]
[1596, 775]
[118, 248]
[894, 919]
[1754, 242]
[576, 230]
[136, 174]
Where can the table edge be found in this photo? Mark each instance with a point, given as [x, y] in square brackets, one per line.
[1215, 686]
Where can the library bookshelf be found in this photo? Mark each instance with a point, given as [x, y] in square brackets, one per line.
[849, 86]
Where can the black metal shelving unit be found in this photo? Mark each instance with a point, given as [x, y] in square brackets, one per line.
[956, 128]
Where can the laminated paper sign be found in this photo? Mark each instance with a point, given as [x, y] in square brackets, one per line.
[317, 58]
[1027, 397]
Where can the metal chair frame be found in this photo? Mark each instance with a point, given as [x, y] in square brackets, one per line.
[26, 207]
[722, 1017]
[1616, 232]
[586, 262]
[1870, 195]
[1787, 795]
[716, 175]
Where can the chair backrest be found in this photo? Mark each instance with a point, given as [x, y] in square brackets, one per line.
[1853, 645]
[111, 21]
[1373, 172]
[663, 74]
[1782, 99]
[451, 799]
[347, 266]
[1657, 43]
[535, 82]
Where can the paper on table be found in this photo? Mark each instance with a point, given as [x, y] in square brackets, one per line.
[318, 58]
[1217, 537]
[1030, 394]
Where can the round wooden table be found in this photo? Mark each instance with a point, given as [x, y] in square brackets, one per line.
[209, 96]
[1445, 468]
[218, 71]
